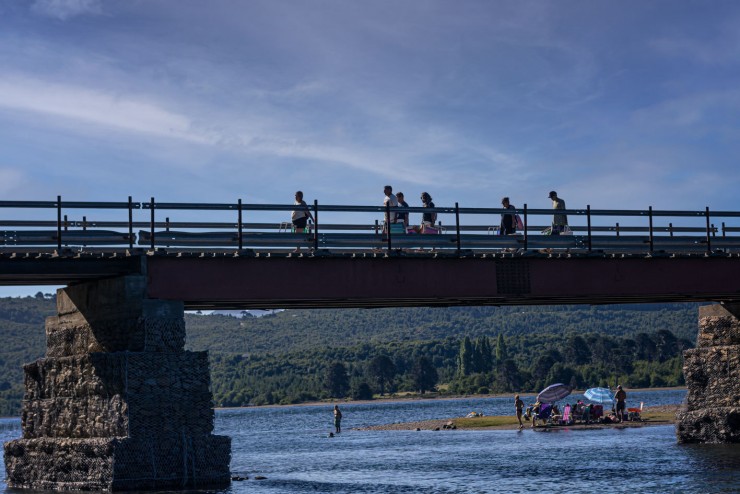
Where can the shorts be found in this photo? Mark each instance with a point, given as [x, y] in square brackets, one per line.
[620, 406]
[300, 223]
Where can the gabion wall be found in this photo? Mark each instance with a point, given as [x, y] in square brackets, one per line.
[712, 372]
[117, 404]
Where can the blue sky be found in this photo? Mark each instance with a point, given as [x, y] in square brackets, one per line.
[614, 104]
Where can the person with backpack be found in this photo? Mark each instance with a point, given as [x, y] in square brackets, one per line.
[508, 220]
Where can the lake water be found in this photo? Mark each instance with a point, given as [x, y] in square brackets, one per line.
[290, 446]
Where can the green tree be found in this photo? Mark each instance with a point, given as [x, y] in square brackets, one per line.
[645, 346]
[423, 375]
[337, 380]
[362, 392]
[482, 359]
[465, 357]
[542, 366]
[666, 344]
[576, 351]
[382, 371]
[508, 377]
[501, 350]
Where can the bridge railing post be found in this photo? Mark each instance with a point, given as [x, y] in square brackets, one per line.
[650, 217]
[588, 223]
[59, 223]
[457, 228]
[525, 226]
[130, 223]
[240, 226]
[315, 225]
[151, 222]
[709, 230]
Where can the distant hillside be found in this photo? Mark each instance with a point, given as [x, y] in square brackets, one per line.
[307, 335]
[292, 330]
[23, 340]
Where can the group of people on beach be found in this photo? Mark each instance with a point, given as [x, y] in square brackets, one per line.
[508, 226]
[617, 416]
[620, 400]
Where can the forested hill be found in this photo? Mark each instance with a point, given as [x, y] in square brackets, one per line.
[293, 330]
[277, 357]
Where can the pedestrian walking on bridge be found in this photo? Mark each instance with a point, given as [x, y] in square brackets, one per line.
[559, 220]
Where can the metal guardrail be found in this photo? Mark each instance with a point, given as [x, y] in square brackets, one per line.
[238, 234]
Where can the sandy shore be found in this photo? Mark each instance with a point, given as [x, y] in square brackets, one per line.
[411, 397]
[657, 415]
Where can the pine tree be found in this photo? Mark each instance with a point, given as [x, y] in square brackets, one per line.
[465, 358]
[382, 370]
[424, 375]
[501, 351]
[337, 380]
[482, 355]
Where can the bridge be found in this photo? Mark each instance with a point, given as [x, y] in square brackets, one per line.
[118, 404]
[348, 258]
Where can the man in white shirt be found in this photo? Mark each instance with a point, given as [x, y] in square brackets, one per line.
[390, 200]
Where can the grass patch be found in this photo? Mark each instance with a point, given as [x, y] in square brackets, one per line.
[492, 421]
[659, 416]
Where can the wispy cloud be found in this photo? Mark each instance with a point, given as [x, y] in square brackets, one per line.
[720, 47]
[94, 107]
[694, 111]
[66, 9]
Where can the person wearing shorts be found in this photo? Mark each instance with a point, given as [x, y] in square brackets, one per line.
[301, 214]
[620, 398]
[519, 405]
[559, 220]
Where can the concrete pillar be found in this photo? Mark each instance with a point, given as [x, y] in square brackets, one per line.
[712, 372]
[117, 404]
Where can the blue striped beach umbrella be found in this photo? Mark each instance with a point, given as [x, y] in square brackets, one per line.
[599, 395]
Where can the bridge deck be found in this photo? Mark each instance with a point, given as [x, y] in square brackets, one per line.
[209, 262]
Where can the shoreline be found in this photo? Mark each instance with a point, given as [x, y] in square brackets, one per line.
[394, 399]
[416, 397]
[652, 416]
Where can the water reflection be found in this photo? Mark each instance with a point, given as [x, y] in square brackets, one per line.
[290, 446]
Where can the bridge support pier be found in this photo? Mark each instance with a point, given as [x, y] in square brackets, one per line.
[712, 372]
[117, 404]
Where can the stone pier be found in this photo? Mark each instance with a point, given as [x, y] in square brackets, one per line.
[117, 404]
[712, 372]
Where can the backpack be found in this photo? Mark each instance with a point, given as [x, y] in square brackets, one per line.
[519, 223]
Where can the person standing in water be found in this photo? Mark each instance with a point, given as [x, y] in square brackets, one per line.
[519, 405]
[337, 419]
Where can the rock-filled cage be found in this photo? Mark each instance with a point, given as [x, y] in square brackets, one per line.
[117, 403]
